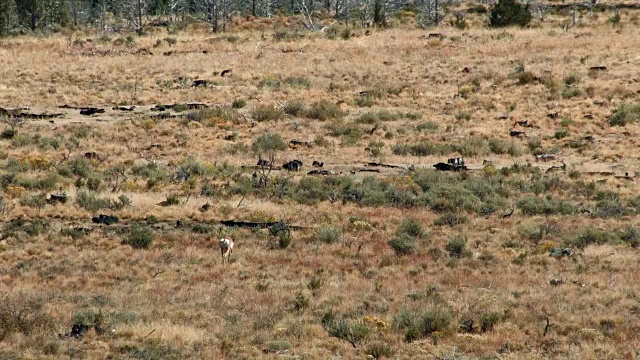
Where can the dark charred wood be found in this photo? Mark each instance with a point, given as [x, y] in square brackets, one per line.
[88, 111]
[319, 172]
[598, 68]
[375, 164]
[124, 108]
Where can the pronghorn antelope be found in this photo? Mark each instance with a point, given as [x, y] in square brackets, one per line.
[226, 248]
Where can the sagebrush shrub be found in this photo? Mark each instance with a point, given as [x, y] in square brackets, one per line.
[140, 237]
[329, 234]
[509, 13]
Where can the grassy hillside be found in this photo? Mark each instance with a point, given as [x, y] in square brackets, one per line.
[386, 262]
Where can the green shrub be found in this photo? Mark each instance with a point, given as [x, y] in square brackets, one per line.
[73, 233]
[294, 108]
[631, 236]
[140, 237]
[283, 35]
[171, 200]
[269, 82]
[329, 234]
[571, 92]
[332, 33]
[300, 302]
[321, 141]
[89, 317]
[337, 326]
[296, 81]
[345, 34]
[560, 134]
[462, 115]
[500, 147]
[509, 13]
[625, 114]
[614, 19]
[410, 227]
[446, 197]
[80, 167]
[238, 104]
[477, 9]
[282, 233]
[428, 126]
[572, 79]
[364, 101]
[545, 206]
[526, 77]
[93, 203]
[419, 325]
[33, 201]
[473, 146]
[456, 247]
[488, 320]
[268, 143]
[225, 113]
[376, 147]
[591, 236]
[266, 113]
[22, 313]
[459, 21]
[403, 244]
[284, 240]
[610, 208]
[349, 133]
[8, 133]
[277, 346]
[151, 349]
[324, 110]
[451, 219]
[34, 227]
[379, 350]
[373, 117]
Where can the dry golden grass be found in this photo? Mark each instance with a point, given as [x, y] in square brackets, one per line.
[176, 300]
